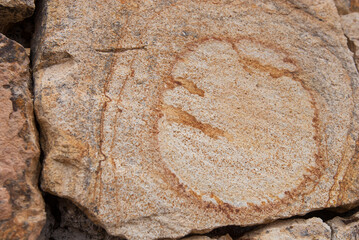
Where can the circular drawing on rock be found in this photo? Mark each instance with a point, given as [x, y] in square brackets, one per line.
[234, 128]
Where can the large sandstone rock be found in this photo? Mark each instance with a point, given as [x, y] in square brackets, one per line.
[304, 229]
[162, 118]
[12, 11]
[22, 212]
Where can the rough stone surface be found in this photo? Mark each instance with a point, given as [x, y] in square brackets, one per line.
[345, 228]
[162, 118]
[342, 6]
[347, 6]
[354, 6]
[350, 24]
[22, 212]
[304, 229]
[12, 11]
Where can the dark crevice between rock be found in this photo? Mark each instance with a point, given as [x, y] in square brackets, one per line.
[350, 44]
[237, 231]
[53, 214]
[65, 221]
[328, 214]
[21, 32]
[352, 48]
[232, 230]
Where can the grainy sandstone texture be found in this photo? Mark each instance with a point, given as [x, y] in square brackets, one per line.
[303, 229]
[161, 118]
[345, 228]
[22, 213]
[12, 11]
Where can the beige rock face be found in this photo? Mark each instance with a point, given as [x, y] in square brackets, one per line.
[161, 118]
[313, 228]
[22, 212]
[12, 11]
[345, 228]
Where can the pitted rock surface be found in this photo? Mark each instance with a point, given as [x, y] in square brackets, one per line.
[162, 118]
[22, 212]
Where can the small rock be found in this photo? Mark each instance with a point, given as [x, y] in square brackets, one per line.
[345, 228]
[303, 229]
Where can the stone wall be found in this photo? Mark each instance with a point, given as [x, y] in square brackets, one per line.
[179, 119]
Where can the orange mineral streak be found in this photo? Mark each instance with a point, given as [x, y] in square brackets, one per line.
[174, 114]
[189, 85]
[98, 186]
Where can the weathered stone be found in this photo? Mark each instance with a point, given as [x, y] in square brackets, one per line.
[354, 5]
[304, 229]
[347, 6]
[162, 118]
[12, 11]
[22, 212]
[345, 228]
[350, 24]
